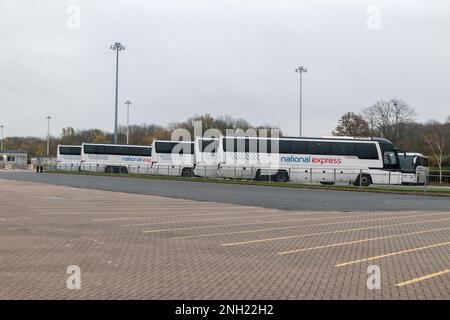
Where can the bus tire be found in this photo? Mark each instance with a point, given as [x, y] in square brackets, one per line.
[123, 170]
[108, 169]
[186, 172]
[282, 176]
[364, 180]
[260, 177]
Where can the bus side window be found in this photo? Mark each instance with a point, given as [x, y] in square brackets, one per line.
[265, 146]
[323, 148]
[299, 147]
[284, 146]
[251, 145]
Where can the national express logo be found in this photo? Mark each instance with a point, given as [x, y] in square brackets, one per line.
[137, 159]
[309, 159]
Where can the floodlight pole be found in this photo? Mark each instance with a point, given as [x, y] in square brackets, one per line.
[117, 47]
[128, 102]
[48, 135]
[300, 70]
[1, 137]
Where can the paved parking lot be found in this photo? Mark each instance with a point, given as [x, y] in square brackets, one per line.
[144, 246]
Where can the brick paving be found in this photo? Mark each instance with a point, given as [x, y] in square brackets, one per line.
[131, 246]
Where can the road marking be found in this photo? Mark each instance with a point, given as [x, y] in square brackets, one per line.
[212, 219]
[155, 207]
[360, 241]
[426, 277]
[48, 198]
[149, 217]
[329, 232]
[343, 264]
[263, 216]
[246, 217]
[263, 222]
[118, 219]
[131, 211]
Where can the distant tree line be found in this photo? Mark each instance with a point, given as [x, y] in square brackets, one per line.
[142, 134]
[394, 120]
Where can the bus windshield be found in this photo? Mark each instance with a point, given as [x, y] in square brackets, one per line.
[410, 162]
[390, 158]
[390, 155]
[421, 161]
[407, 163]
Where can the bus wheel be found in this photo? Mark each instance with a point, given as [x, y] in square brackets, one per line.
[187, 172]
[108, 169]
[282, 176]
[124, 170]
[364, 180]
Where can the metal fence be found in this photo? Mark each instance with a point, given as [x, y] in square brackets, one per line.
[437, 179]
[161, 170]
[311, 176]
[14, 166]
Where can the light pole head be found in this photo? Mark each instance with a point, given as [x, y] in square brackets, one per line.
[301, 69]
[117, 46]
[128, 102]
[48, 118]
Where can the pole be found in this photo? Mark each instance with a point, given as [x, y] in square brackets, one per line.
[128, 102]
[300, 111]
[1, 137]
[48, 135]
[117, 47]
[117, 95]
[300, 70]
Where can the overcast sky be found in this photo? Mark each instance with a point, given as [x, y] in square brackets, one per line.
[238, 58]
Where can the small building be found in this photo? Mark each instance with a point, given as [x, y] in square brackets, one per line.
[45, 161]
[11, 159]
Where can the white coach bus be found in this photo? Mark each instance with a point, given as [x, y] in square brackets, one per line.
[206, 157]
[173, 158]
[361, 161]
[68, 157]
[415, 168]
[114, 158]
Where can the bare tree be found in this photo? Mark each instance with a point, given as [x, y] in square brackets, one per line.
[352, 124]
[389, 118]
[437, 138]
